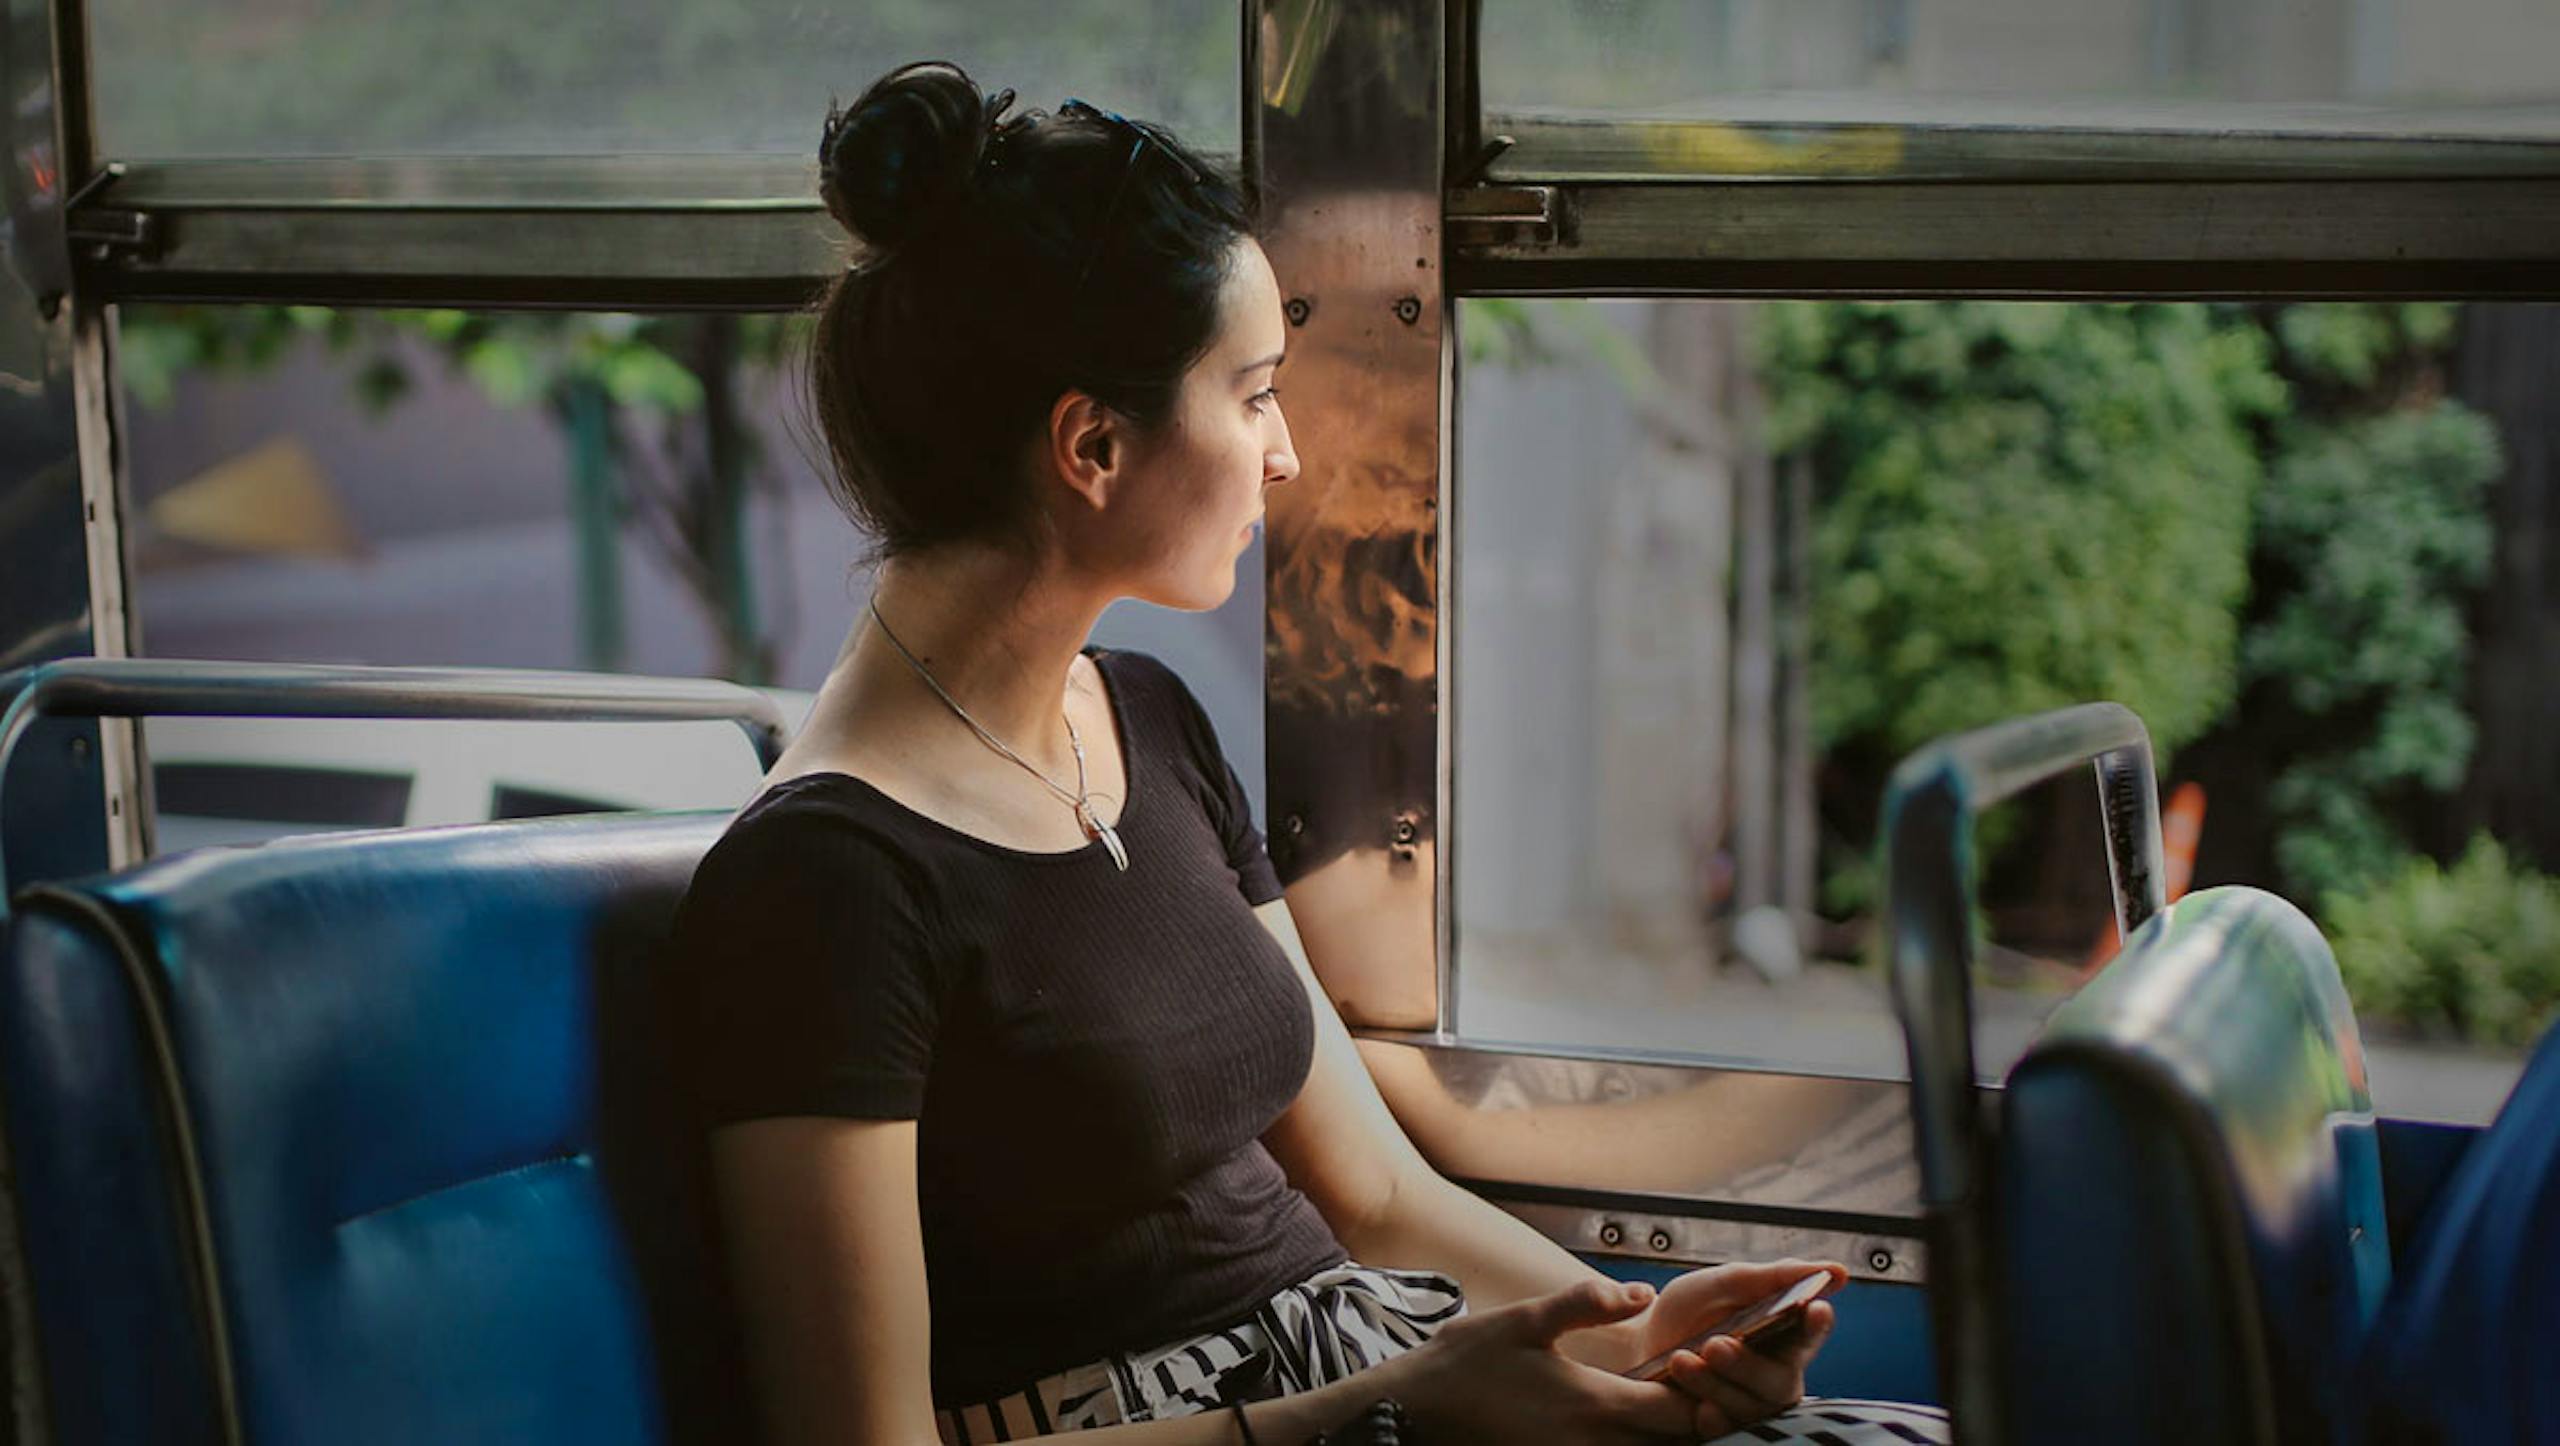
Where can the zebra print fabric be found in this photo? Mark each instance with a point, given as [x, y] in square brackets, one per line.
[1322, 1329]
[1331, 1325]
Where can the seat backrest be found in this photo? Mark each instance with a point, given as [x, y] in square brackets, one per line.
[2192, 1239]
[364, 1138]
[2468, 1346]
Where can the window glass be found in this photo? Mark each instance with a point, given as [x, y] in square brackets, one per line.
[201, 802]
[1849, 87]
[509, 801]
[521, 490]
[277, 78]
[1723, 564]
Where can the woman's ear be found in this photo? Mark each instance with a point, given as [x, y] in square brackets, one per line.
[1088, 444]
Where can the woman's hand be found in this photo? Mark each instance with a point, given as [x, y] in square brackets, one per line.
[1732, 1385]
[1497, 1377]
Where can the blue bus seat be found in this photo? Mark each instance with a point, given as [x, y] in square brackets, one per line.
[364, 1138]
[2468, 1345]
[2188, 1201]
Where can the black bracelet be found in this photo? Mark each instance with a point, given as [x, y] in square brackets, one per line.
[1381, 1423]
[1243, 1425]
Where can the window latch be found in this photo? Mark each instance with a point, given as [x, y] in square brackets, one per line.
[1489, 216]
[107, 233]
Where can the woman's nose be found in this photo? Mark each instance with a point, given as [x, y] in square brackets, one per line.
[1280, 464]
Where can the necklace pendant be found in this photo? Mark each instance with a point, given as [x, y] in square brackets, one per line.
[1095, 827]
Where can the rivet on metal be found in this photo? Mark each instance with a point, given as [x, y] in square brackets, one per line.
[1612, 1234]
[1409, 309]
[1298, 309]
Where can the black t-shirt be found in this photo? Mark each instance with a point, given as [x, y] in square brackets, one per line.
[1091, 1056]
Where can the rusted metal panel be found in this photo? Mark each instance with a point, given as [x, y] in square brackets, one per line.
[1346, 156]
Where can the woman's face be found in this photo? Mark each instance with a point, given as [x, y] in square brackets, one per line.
[1195, 489]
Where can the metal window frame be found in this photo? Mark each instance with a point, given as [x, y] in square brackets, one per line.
[2470, 239]
[1545, 146]
[98, 403]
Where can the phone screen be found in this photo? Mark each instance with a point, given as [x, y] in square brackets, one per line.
[1762, 1322]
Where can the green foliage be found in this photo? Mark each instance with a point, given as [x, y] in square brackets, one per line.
[2020, 507]
[2371, 531]
[2349, 344]
[2473, 949]
[517, 359]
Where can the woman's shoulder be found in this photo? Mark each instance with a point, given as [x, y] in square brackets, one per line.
[812, 838]
[1149, 689]
[1134, 669]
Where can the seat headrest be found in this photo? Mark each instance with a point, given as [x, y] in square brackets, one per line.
[2191, 1203]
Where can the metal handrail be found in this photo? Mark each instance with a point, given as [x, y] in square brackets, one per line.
[189, 688]
[1930, 805]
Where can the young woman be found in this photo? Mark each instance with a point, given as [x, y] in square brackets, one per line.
[1027, 1112]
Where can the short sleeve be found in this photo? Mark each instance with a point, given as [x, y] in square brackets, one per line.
[806, 978]
[1230, 808]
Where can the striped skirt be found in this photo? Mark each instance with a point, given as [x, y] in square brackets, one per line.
[1332, 1324]
[1327, 1326]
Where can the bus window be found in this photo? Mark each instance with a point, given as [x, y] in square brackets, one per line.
[1723, 563]
[1911, 88]
[509, 800]
[237, 78]
[199, 803]
[561, 490]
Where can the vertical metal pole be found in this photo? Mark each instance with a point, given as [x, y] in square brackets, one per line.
[724, 444]
[599, 524]
[1928, 832]
[1349, 164]
[99, 416]
[1799, 834]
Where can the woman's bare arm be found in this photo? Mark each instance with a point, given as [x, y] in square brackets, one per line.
[826, 1251]
[1344, 1147]
[1341, 1145]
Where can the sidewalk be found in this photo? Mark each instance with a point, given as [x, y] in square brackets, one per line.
[1836, 1018]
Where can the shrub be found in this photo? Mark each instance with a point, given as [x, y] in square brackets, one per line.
[2473, 949]
[2371, 535]
[2020, 506]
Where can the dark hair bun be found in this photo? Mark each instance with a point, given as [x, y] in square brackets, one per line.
[903, 152]
[1090, 252]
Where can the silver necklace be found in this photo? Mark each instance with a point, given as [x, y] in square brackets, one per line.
[1080, 798]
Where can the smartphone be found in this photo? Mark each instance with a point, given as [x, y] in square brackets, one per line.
[1765, 1325]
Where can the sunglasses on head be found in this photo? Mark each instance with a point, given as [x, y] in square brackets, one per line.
[1139, 134]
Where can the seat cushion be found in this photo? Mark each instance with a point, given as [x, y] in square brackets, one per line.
[2466, 1345]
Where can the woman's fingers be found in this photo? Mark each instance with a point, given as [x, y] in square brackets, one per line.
[1716, 1405]
[1777, 1275]
[1771, 1384]
[1658, 1408]
[1591, 1303]
[1819, 1317]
